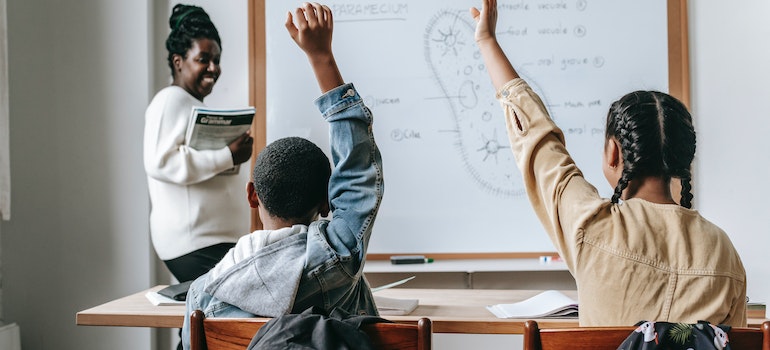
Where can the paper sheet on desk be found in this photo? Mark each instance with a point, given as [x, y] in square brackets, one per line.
[160, 300]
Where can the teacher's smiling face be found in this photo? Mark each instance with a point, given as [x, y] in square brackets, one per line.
[199, 70]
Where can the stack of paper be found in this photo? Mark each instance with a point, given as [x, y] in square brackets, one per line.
[548, 304]
[395, 307]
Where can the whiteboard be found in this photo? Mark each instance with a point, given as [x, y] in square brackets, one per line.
[451, 183]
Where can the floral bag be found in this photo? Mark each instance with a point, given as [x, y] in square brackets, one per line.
[685, 336]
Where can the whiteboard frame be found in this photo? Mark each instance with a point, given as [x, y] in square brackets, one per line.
[678, 82]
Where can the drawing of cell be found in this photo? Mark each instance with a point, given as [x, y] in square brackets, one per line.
[447, 40]
[480, 135]
[491, 146]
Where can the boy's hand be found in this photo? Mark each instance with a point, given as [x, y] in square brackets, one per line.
[313, 34]
[313, 30]
[486, 20]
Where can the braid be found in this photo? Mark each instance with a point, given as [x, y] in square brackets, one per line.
[656, 138]
[622, 184]
[679, 148]
[188, 23]
[686, 200]
[631, 133]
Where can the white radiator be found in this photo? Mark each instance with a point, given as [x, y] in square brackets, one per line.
[10, 337]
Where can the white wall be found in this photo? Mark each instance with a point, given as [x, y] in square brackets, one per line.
[82, 72]
[78, 237]
[730, 68]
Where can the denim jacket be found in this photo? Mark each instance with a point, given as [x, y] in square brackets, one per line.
[322, 265]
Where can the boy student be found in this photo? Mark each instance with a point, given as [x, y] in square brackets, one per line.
[647, 257]
[297, 261]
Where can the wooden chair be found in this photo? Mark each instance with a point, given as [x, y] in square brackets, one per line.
[236, 333]
[609, 338]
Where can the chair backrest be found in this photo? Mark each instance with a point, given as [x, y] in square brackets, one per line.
[236, 333]
[609, 338]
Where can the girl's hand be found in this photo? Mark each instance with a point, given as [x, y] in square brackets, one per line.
[486, 20]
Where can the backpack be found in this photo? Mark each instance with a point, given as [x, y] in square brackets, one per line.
[664, 335]
[315, 329]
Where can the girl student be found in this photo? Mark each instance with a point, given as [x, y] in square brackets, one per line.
[639, 255]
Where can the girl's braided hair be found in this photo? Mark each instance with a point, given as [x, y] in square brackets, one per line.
[656, 137]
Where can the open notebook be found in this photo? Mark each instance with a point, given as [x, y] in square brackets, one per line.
[548, 304]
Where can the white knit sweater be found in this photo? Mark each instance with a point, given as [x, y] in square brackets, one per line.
[192, 207]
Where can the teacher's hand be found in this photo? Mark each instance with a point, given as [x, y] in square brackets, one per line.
[241, 148]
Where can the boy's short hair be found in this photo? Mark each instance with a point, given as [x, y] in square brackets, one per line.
[291, 177]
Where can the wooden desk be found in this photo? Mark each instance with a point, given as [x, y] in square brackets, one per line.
[451, 310]
[133, 311]
[502, 273]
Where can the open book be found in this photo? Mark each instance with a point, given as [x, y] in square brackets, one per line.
[215, 128]
[548, 304]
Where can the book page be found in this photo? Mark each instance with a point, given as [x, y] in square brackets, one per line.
[550, 303]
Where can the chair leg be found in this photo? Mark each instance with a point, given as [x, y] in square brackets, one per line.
[531, 336]
[197, 335]
[424, 334]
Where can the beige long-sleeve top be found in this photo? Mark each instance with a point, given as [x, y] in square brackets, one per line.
[632, 261]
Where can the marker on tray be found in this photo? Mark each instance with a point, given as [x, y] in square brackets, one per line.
[547, 259]
[409, 259]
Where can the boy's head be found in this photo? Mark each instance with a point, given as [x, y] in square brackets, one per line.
[291, 180]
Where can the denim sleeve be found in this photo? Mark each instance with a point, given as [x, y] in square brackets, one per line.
[356, 184]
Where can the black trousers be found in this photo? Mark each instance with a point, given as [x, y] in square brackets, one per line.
[192, 265]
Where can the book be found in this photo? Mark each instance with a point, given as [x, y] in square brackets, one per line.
[160, 300]
[548, 304]
[176, 291]
[756, 310]
[212, 128]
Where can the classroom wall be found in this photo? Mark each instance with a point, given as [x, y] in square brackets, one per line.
[78, 74]
[729, 55]
[81, 74]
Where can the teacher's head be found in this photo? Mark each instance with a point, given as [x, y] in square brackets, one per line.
[194, 50]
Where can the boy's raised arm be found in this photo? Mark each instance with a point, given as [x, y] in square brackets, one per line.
[356, 185]
[313, 34]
